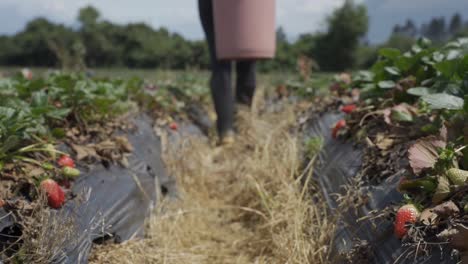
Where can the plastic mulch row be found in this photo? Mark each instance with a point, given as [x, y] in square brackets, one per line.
[338, 163]
[110, 203]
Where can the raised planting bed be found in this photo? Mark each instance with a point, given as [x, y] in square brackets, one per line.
[393, 163]
[87, 140]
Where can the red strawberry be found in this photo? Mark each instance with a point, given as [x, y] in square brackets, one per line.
[406, 214]
[173, 126]
[55, 194]
[348, 109]
[66, 161]
[338, 126]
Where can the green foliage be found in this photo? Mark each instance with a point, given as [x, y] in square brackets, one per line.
[313, 146]
[33, 109]
[438, 76]
[400, 42]
[335, 49]
[311, 87]
[88, 16]
[285, 59]
[100, 43]
[34, 46]
[88, 99]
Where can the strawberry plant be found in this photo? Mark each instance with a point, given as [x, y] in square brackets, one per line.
[415, 104]
[32, 109]
[422, 71]
[436, 78]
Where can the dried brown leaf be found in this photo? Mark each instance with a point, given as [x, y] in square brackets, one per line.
[460, 240]
[36, 172]
[424, 153]
[383, 142]
[105, 145]
[446, 209]
[83, 152]
[124, 144]
[447, 233]
[355, 94]
[428, 217]
[387, 112]
[345, 78]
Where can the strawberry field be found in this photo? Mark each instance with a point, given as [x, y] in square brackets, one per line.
[369, 166]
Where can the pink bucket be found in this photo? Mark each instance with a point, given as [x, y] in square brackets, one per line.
[244, 29]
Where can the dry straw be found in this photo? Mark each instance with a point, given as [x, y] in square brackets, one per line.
[238, 204]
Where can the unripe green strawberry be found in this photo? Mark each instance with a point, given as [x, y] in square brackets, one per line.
[70, 172]
[457, 176]
[406, 214]
[48, 166]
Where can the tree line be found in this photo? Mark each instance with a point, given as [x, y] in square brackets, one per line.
[101, 43]
[437, 29]
[97, 42]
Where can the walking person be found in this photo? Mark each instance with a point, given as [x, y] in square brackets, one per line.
[221, 88]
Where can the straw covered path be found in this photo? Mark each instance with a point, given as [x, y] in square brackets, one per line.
[238, 204]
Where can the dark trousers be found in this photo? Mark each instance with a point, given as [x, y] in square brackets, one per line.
[221, 90]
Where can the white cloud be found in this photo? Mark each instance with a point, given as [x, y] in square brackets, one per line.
[301, 16]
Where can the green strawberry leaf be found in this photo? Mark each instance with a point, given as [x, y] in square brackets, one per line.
[390, 53]
[393, 71]
[443, 101]
[10, 143]
[419, 91]
[39, 99]
[387, 84]
[401, 116]
[465, 106]
[448, 67]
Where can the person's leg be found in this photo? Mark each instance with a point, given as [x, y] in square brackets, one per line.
[246, 81]
[221, 89]
[223, 97]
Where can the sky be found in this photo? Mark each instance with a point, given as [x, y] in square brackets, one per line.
[384, 14]
[295, 16]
